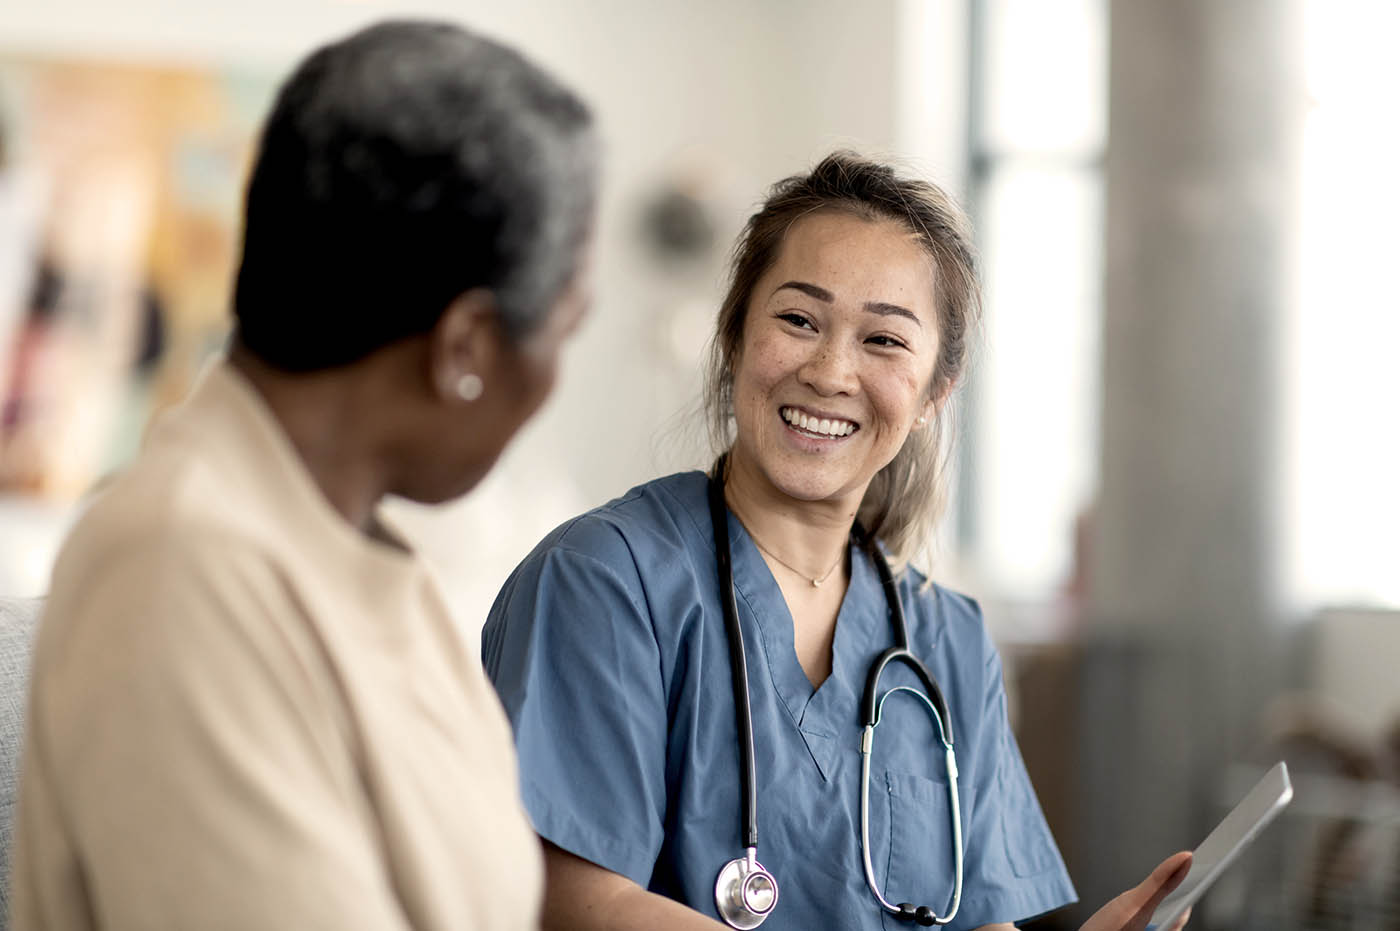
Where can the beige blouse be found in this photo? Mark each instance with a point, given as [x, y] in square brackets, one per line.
[246, 714]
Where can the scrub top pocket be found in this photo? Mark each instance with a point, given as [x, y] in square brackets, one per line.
[919, 854]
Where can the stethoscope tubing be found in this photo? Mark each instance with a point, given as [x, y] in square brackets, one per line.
[867, 746]
[871, 708]
[738, 664]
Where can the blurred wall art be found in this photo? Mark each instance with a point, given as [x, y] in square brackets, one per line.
[119, 189]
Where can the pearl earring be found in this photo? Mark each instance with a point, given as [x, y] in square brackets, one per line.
[922, 420]
[470, 386]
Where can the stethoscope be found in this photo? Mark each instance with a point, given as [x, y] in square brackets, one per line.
[745, 892]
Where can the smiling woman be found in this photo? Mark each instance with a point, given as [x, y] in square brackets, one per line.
[617, 643]
[836, 364]
[914, 216]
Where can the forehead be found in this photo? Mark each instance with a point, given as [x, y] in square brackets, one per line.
[857, 259]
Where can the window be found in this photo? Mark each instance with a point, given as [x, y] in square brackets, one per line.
[1342, 433]
[1038, 132]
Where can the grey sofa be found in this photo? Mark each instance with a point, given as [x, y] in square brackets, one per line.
[18, 620]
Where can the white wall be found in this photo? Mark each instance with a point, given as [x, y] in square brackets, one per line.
[728, 95]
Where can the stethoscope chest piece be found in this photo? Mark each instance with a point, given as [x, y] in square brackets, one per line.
[745, 892]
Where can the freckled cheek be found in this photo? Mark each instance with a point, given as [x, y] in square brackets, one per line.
[750, 410]
[771, 356]
[769, 366]
[897, 399]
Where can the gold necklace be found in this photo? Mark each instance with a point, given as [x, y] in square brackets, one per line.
[817, 581]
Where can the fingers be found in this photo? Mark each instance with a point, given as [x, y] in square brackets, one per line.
[1180, 922]
[1132, 910]
[1157, 886]
[1166, 877]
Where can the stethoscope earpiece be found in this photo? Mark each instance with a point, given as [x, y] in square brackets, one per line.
[919, 914]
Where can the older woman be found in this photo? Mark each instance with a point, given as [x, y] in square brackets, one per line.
[669, 788]
[250, 708]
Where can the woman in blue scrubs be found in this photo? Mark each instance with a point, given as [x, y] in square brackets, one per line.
[844, 331]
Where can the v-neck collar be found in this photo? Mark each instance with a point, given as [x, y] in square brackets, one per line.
[823, 714]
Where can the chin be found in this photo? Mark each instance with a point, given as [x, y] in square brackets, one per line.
[444, 489]
[808, 485]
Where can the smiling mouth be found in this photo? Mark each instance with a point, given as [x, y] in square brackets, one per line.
[825, 428]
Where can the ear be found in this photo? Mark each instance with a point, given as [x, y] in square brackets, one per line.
[933, 406]
[926, 415]
[466, 340]
[942, 397]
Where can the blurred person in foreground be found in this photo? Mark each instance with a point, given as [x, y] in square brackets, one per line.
[250, 708]
[845, 329]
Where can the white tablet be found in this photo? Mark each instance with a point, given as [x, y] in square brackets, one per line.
[1240, 827]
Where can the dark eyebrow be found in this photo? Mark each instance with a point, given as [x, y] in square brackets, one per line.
[811, 290]
[882, 308]
[885, 310]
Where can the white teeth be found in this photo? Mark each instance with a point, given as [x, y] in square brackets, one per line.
[824, 427]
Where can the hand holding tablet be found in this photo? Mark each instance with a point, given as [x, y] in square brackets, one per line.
[1223, 845]
[1163, 901]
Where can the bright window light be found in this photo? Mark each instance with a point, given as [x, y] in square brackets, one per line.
[1040, 134]
[1341, 369]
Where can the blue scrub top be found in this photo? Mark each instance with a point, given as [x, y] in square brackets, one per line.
[608, 648]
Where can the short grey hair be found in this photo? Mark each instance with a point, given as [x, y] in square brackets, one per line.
[399, 168]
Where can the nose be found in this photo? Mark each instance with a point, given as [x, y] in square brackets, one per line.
[829, 369]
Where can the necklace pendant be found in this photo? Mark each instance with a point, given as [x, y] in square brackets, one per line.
[816, 583]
